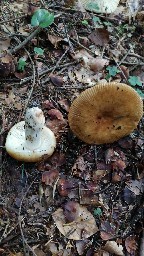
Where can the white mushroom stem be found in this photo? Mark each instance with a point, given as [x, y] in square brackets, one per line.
[34, 124]
[31, 140]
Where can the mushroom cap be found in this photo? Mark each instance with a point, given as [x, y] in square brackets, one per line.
[105, 6]
[16, 146]
[105, 113]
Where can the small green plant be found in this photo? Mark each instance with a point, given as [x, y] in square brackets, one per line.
[113, 70]
[21, 64]
[96, 20]
[134, 80]
[38, 51]
[98, 212]
[42, 18]
[84, 22]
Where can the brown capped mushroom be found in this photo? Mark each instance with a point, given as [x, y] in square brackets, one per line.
[105, 113]
[31, 140]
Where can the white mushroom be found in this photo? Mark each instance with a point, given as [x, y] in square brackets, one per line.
[31, 140]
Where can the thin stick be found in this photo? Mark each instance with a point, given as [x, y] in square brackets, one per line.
[22, 44]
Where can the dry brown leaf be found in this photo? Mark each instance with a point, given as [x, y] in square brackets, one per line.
[112, 247]
[81, 245]
[99, 37]
[49, 177]
[7, 65]
[130, 244]
[54, 40]
[55, 114]
[4, 44]
[57, 126]
[56, 80]
[95, 64]
[81, 228]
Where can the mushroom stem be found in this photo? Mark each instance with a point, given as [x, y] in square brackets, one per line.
[34, 123]
[31, 140]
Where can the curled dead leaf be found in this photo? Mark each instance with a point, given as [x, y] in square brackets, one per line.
[82, 227]
[114, 248]
[54, 39]
[95, 64]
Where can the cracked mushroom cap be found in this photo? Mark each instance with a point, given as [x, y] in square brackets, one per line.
[105, 113]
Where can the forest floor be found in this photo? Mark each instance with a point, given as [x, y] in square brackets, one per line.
[40, 203]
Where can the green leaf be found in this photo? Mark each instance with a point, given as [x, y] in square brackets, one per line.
[107, 23]
[134, 80]
[42, 18]
[93, 6]
[84, 22]
[38, 51]
[98, 212]
[96, 19]
[113, 70]
[21, 64]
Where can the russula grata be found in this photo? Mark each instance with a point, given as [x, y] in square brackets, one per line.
[31, 140]
[105, 113]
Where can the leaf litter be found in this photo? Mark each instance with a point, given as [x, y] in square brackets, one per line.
[56, 200]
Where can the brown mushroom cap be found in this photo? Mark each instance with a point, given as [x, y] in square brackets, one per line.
[105, 113]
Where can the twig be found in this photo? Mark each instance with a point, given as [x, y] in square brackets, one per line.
[57, 64]
[22, 44]
[33, 83]
[136, 55]
[23, 81]
[122, 60]
[12, 19]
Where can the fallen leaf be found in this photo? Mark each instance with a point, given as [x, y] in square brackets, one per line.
[57, 126]
[130, 244]
[95, 64]
[7, 66]
[49, 177]
[108, 230]
[47, 104]
[70, 211]
[64, 186]
[4, 44]
[113, 248]
[54, 40]
[99, 37]
[81, 228]
[81, 245]
[55, 114]
[56, 80]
